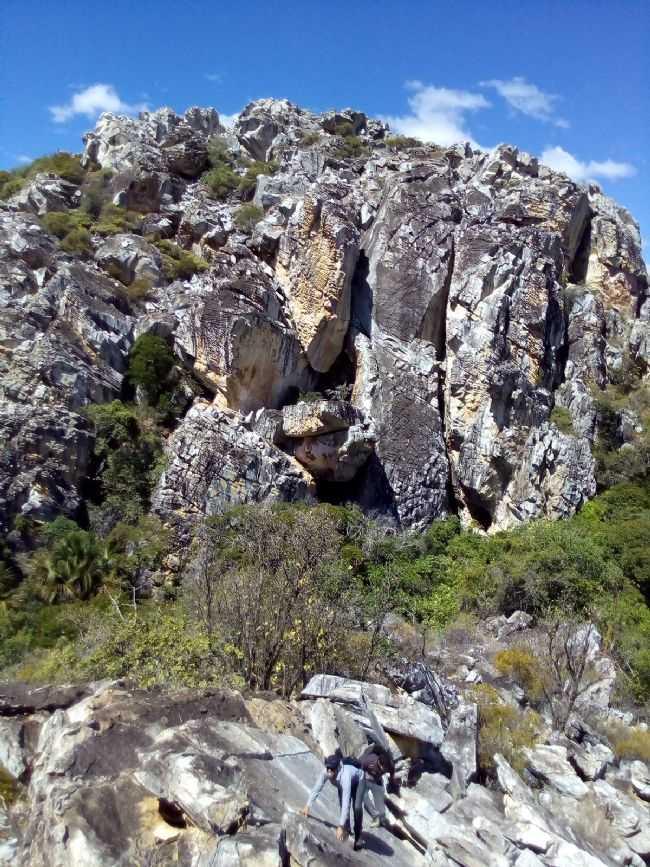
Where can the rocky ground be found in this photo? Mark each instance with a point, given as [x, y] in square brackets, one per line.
[106, 774]
[441, 302]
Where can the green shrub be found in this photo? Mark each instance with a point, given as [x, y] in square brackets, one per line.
[61, 223]
[95, 192]
[503, 729]
[77, 242]
[402, 142]
[309, 139]
[150, 363]
[248, 182]
[61, 163]
[351, 148]
[179, 264]
[344, 128]
[113, 220]
[561, 418]
[75, 566]
[10, 184]
[140, 289]
[522, 666]
[126, 453]
[221, 181]
[218, 152]
[630, 744]
[247, 216]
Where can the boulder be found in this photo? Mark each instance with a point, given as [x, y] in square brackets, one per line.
[128, 257]
[550, 764]
[460, 746]
[46, 192]
[336, 457]
[215, 463]
[314, 418]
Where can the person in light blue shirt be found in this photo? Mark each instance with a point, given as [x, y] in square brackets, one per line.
[351, 787]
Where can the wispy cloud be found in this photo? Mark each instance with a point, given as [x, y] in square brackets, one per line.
[562, 161]
[438, 114]
[228, 119]
[527, 98]
[92, 101]
[23, 159]
[216, 77]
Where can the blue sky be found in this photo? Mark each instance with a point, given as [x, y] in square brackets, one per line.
[569, 80]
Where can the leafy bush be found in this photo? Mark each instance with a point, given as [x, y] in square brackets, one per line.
[351, 148]
[126, 453]
[218, 151]
[520, 664]
[150, 363]
[67, 166]
[270, 582]
[95, 192]
[61, 223]
[78, 242]
[309, 139]
[247, 216]
[140, 289]
[74, 566]
[630, 743]
[402, 142]
[344, 128]
[179, 264]
[561, 418]
[61, 163]
[221, 179]
[113, 220]
[257, 167]
[502, 729]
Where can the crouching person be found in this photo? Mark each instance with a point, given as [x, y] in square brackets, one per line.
[375, 762]
[351, 786]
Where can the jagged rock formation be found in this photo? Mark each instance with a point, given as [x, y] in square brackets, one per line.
[456, 296]
[107, 774]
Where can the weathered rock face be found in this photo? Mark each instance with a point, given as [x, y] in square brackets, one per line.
[65, 332]
[460, 297]
[107, 774]
[315, 264]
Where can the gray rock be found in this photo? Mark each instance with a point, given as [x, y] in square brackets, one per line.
[215, 463]
[460, 746]
[128, 258]
[318, 417]
[46, 192]
[551, 765]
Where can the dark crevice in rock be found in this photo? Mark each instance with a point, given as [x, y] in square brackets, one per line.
[577, 270]
[476, 508]
[434, 323]
[362, 297]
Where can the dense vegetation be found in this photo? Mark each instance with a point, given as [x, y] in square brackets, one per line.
[270, 594]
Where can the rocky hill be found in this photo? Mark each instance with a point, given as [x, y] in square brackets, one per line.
[354, 318]
[108, 775]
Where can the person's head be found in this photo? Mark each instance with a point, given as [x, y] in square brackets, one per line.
[332, 765]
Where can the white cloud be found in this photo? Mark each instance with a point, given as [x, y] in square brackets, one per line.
[527, 99]
[213, 76]
[23, 158]
[562, 161]
[438, 114]
[228, 119]
[92, 101]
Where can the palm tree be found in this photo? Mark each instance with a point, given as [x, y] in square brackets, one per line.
[75, 567]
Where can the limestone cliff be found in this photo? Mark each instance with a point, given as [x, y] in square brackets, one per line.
[446, 300]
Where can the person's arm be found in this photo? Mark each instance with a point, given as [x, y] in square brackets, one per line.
[315, 792]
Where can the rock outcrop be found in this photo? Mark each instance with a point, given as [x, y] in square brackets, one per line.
[456, 297]
[108, 774]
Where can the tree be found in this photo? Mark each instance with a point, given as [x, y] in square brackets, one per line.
[272, 588]
[75, 566]
[150, 363]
